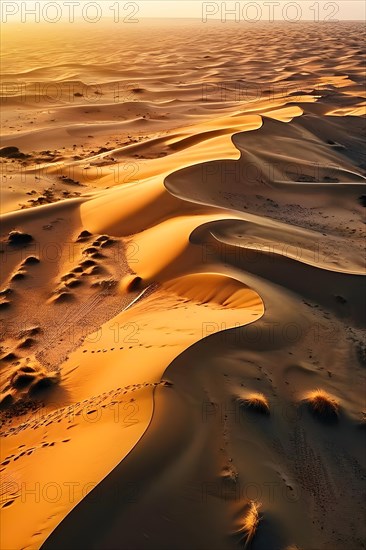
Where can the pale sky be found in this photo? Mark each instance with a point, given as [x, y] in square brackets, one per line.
[258, 10]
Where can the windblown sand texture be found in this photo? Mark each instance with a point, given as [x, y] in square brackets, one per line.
[183, 293]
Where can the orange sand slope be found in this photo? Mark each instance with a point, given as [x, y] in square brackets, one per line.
[183, 270]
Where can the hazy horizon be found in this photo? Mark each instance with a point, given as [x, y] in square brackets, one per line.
[240, 11]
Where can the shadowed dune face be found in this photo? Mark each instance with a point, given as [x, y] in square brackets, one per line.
[182, 243]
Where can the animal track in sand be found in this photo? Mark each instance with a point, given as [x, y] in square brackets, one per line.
[70, 412]
[139, 345]
[30, 450]
[9, 492]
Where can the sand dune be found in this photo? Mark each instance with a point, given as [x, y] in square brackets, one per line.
[182, 295]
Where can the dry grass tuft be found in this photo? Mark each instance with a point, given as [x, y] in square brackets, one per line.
[322, 404]
[250, 521]
[255, 402]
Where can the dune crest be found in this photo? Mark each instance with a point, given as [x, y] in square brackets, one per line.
[214, 289]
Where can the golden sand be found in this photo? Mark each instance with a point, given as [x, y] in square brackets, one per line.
[192, 205]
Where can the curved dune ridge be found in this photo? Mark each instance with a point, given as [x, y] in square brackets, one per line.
[199, 273]
[214, 289]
